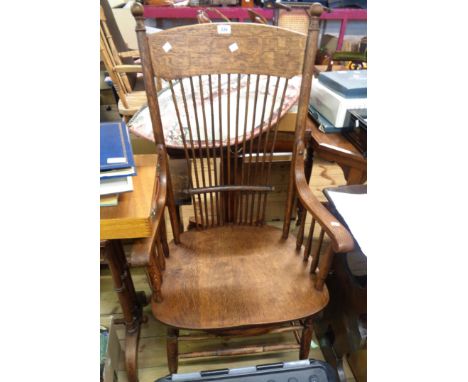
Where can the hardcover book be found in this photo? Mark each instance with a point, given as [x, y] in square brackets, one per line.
[109, 200]
[116, 185]
[118, 173]
[116, 150]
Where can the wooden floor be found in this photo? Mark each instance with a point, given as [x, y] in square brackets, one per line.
[152, 349]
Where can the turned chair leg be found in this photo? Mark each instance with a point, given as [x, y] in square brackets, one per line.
[172, 349]
[306, 338]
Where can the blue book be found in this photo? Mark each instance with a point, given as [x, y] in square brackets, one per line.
[347, 83]
[116, 157]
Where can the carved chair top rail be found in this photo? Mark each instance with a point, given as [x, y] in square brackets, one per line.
[235, 48]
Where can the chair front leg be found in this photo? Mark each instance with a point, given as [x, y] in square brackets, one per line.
[306, 338]
[172, 348]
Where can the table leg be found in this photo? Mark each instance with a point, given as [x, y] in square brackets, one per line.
[132, 303]
[354, 175]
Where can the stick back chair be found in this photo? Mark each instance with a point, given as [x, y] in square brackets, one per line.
[132, 96]
[234, 274]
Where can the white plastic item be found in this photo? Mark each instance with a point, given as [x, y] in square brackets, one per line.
[332, 105]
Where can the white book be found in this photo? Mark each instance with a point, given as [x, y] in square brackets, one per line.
[118, 173]
[116, 185]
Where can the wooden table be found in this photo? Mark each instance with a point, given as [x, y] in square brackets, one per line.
[131, 218]
[334, 147]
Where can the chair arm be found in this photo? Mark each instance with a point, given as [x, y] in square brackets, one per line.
[130, 53]
[341, 239]
[142, 248]
[128, 68]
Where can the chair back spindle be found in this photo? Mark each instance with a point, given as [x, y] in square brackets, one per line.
[228, 84]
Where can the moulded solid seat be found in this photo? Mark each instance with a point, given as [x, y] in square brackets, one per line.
[236, 276]
[135, 101]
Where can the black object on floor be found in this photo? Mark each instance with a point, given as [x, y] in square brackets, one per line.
[297, 371]
[357, 135]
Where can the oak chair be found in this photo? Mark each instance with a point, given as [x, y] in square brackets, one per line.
[233, 274]
[127, 85]
[256, 17]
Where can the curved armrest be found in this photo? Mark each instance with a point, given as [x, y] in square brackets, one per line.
[142, 248]
[342, 241]
[160, 189]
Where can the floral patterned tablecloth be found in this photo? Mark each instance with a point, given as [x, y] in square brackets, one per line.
[140, 124]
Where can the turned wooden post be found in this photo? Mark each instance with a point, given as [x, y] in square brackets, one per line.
[306, 338]
[151, 92]
[315, 11]
[172, 348]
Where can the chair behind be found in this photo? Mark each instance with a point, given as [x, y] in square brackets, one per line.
[123, 71]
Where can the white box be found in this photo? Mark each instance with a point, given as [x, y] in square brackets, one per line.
[332, 105]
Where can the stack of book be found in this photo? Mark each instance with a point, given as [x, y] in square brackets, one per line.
[117, 163]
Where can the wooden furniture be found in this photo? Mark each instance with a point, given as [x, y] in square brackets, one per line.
[139, 214]
[131, 217]
[202, 16]
[130, 101]
[232, 13]
[128, 86]
[334, 147]
[342, 329]
[234, 275]
[241, 14]
[255, 17]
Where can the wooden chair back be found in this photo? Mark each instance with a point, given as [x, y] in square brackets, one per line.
[113, 62]
[256, 17]
[123, 71]
[229, 143]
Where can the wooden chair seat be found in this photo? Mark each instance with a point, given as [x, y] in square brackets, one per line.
[135, 101]
[236, 276]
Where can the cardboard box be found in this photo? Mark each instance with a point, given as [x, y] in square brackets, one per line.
[276, 201]
[142, 145]
[126, 24]
[287, 122]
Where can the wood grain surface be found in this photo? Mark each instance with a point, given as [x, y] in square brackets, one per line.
[131, 217]
[199, 49]
[236, 276]
[335, 144]
[135, 101]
